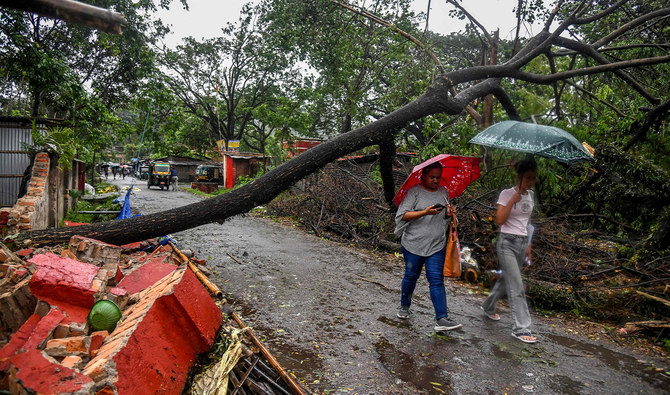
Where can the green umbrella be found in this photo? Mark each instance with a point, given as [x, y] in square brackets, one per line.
[548, 141]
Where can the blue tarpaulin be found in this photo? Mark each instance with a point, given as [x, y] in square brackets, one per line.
[125, 213]
[125, 209]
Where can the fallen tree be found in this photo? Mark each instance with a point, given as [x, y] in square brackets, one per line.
[479, 81]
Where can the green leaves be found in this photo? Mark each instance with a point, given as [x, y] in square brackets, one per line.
[58, 140]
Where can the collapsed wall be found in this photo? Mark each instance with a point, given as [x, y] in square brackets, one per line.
[168, 318]
[46, 199]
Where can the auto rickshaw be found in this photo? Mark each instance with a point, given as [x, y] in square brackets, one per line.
[159, 175]
[144, 172]
[208, 173]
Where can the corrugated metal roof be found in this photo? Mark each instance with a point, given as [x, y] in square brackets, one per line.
[14, 160]
[15, 138]
[245, 155]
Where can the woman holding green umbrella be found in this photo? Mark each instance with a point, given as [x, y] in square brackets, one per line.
[515, 206]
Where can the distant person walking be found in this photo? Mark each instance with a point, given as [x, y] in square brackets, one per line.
[515, 205]
[114, 172]
[123, 172]
[106, 172]
[174, 180]
[421, 224]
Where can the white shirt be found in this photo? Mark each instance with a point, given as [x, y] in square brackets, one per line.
[519, 215]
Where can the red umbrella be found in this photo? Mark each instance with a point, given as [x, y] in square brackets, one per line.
[457, 173]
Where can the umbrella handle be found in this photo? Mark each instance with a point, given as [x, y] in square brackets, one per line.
[446, 197]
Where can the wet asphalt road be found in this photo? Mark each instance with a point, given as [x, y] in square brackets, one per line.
[327, 313]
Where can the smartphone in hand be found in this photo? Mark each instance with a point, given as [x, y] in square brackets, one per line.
[438, 206]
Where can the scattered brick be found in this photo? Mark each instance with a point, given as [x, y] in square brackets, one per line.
[78, 345]
[97, 338]
[106, 391]
[73, 362]
[94, 251]
[61, 331]
[78, 329]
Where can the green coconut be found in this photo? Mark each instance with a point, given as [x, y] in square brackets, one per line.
[104, 315]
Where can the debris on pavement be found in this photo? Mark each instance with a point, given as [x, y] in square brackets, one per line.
[168, 321]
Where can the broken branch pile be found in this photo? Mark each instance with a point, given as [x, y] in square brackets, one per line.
[342, 202]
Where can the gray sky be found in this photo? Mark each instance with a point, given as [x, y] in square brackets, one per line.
[206, 17]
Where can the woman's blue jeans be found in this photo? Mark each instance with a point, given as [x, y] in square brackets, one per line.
[434, 274]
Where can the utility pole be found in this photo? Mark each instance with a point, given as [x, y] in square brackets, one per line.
[145, 129]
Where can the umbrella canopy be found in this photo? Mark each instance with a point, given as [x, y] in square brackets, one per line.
[548, 141]
[457, 173]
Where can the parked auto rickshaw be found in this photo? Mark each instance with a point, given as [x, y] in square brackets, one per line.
[208, 173]
[144, 172]
[159, 175]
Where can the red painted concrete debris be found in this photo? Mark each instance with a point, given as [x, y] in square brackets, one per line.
[145, 276]
[70, 223]
[18, 340]
[38, 374]
[176, 311]
[118, 276]
[64, 282]
[24, 252]
[44, 329]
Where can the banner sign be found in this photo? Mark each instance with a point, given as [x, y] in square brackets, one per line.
[234, 145]
[221, 145]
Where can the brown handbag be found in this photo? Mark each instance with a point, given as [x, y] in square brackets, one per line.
[452, 260]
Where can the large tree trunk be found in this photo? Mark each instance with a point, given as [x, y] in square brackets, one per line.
[267, 187]
[73, 12]
[37, 97]
[386, 159]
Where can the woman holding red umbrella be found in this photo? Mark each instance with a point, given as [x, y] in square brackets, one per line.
[421, 225]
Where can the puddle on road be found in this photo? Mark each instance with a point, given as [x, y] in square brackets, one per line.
[614, 360]
[407, 324]
[503, 354]
[566, 385]
[408, 369]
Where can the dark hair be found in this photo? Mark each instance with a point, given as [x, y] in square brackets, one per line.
[434, 165]
[523, 166]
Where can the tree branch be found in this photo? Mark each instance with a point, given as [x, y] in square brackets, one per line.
[591, 52]
[630, 25]
[474, 21]
[601, 14]
[591, 95]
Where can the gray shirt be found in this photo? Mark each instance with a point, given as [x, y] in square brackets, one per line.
[426, 235]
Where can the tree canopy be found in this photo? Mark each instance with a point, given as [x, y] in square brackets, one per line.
[372, 77]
